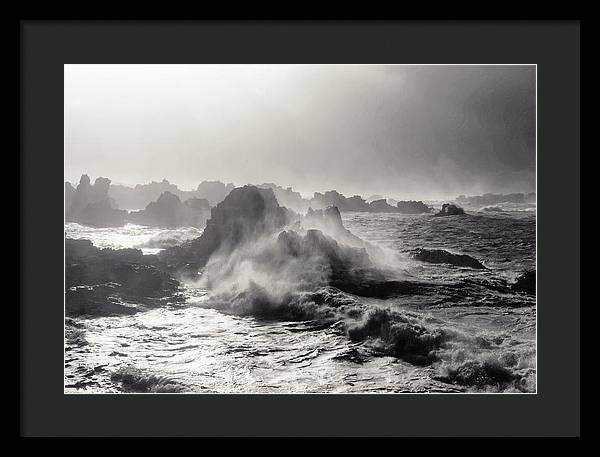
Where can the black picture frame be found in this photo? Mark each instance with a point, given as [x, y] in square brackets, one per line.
[45, 46]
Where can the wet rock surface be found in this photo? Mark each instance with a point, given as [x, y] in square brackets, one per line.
[443, 256]
[107, 281]
[526, 283]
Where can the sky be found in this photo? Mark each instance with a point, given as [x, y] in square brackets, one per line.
[405, 132]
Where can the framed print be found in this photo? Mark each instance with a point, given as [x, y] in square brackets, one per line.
[306, 223]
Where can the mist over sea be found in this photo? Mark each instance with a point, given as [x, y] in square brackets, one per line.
[472, 334]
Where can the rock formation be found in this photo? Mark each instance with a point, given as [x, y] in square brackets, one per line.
[442, 256]
[246, 213]
[477, 201]
[104, 282]
[334, 198]
[287, 197]
[213, 191]
[525, 283]
[413, 207]
[381, 206]
[90, 205]
[448, 209]
[168, 211]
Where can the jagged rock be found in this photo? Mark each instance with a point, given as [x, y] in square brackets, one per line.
[107, 281]
[246, 213]
[525, 283]
[448, 209]
[91, 205]
[329, 221]
[168, 211]
[442, 256]
[412, 207]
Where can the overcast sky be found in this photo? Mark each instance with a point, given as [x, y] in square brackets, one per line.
[401, 131]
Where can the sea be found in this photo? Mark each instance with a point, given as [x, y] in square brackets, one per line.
[194, 347]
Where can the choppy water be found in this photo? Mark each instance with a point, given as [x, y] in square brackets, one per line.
[192, 348]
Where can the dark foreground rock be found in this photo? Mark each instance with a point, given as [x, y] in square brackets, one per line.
[448, 209]
[525, 283]
[442, 256]
[102, 282]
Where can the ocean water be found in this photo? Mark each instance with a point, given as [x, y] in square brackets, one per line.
[194, 348]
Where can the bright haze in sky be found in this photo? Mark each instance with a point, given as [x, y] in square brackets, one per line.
[404, 132]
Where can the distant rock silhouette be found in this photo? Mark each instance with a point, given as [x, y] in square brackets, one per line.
[102, 214]
[382, 206]
[287, 197]
[334, 198]
[412, 207]
[90, 205]
[213, 191]
[448, 209]
[69, 196]
[140, 196]
[168, 211]
[478, 201]
[442, 256]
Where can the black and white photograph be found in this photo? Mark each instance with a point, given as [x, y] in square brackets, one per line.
[300, 229]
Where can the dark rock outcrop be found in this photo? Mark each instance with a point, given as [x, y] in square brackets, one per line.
[442, 256]
[168, 211]
[525, 283]
[413, 207]
[246, 213]
[102, 282]
[448, 209]
[329, 221]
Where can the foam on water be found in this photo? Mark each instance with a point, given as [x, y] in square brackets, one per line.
[468, 336]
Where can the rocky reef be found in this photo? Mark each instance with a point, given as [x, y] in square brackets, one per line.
[443, 256]
[101, 282]
[168, 211]
[448, 209]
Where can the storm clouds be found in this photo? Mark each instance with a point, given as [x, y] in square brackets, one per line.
[402, 131]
